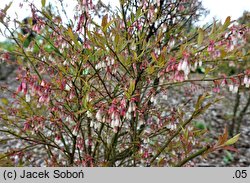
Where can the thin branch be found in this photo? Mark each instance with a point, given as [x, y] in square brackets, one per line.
[192, 156]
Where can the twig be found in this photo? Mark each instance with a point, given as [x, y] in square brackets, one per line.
[192, 156]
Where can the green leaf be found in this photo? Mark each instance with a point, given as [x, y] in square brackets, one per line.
[72, 36]
[116, 89]
[46, 14]
[85, 103]
[226, 23]
[130, 89]
[213, 30]
[116, 40]
[107, 25]
[200, 36]
[132, 86]
[233, 140]
[201, 98]
[5, 101]
[127, 95]
[5, 161]
[36, 49]
[43, 2]
[85, 71]
[202, 110]
[26, 42]
[132, 18]
[150, 70]
[200, 125]
[81, 111]
[208, 70]
[138, 13]
[48, 48]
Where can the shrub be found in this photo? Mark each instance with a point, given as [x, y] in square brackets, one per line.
[90, 94]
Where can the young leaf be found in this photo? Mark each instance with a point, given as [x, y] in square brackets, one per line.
[200, 36]
[132, 86]
[104, 20]
[153, 57]
[201, 98]
[213, 30]
[43, 2]
[72, 36]
[230, 148]
[150, 70]
[232, 140]
[46, 14]
[222, 138]
[130, 89]
[107, 25]
[226, 23]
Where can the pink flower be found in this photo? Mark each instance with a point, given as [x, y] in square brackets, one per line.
[75, 130]
[178, 76]
[26, 126]
[6, 56]
[80, 143]
[211, 47]
[99, 115]
[57, 138]
[19, 89]
[216, 89]
[43, 83]
[22, 88]
[145, 154]
[115, 122]
[223, 82]
[246, 81]
[131, 107]
[44, 99]
[36, 28]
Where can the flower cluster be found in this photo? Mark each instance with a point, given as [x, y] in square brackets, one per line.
[30, 88]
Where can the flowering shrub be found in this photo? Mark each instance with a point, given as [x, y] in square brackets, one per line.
[242, 99]
[89, 94]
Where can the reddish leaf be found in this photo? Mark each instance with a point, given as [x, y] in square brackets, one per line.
[223, 138]
[105, 20]
[230, 148]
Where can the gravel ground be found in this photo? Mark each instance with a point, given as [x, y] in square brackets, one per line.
[216, 118]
